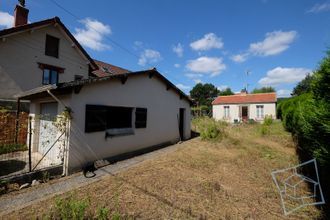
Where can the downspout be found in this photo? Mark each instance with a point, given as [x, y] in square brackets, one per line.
[67, 139]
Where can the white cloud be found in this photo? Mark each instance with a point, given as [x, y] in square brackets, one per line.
[177, 65]
[222, 87]
[283, 93]
[274, 43]
[317, 8]
[92, 35]
[6, 19]
[198, 81]
[178, 49]
[280, 75]
[209, 41]
[206, 65]
[239, 58]
[182, 87]
[149, 56]
[193, 75]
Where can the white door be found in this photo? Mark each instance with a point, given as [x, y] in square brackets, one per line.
[48, 133]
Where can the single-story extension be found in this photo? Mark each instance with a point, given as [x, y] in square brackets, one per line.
[109, 116]
[243, 106]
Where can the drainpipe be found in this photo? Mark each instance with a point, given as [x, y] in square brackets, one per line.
[67, 134]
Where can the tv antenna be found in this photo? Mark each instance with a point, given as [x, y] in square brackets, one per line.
[247, 72]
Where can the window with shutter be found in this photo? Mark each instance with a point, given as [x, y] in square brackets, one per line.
[140, 118]
[96, 118]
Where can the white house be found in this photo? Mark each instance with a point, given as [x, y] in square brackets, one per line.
[111, 115]
[112, 111]
[243, 106]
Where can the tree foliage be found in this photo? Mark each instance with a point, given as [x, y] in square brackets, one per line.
[265, 89]
[303, 86]
[203, 94]
[226, 91]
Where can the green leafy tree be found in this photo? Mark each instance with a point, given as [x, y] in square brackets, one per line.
[226, 91]
[203, 94]
[303, 86]
[265, 89]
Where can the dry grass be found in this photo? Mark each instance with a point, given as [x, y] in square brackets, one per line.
[228, 179]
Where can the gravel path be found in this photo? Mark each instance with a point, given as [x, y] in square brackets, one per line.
[9, 203]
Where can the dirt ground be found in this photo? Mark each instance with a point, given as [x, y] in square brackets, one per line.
[226, 179]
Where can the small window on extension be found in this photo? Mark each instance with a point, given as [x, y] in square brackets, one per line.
[96, 118]
[52, 46]
[140, 118]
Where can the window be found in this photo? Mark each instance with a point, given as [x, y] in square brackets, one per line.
[226, 111]
[260, 111]
[52, 45]
[49, 76]
[140, 118]
[119, 117]
[96, 118]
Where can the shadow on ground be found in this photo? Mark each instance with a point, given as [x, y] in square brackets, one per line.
[11, 166]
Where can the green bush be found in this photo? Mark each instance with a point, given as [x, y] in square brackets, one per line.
[208, 128]
[268, 120]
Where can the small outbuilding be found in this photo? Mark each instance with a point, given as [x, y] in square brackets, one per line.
[243, 107]
[108, 116]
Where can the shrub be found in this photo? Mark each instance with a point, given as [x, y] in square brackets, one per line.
[268, 120]
[209, 129]
[7, 148]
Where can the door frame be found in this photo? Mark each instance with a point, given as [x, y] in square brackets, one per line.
[181, 122]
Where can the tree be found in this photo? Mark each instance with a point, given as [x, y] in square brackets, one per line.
[226, 91]
[204, 94]
[304, 86]
[263, 90]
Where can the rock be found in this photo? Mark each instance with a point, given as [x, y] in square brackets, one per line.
[25, 185]
[35, 183]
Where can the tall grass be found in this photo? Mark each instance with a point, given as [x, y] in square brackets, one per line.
[209, 128]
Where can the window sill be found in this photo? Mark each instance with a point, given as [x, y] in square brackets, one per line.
[115, 132]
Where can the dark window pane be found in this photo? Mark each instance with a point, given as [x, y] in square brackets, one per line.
[52, 45]
[140, 118]
[96, 118]
[46, 77]
[53, 77]
[119, 117]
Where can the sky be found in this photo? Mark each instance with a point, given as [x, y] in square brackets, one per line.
[227, 43]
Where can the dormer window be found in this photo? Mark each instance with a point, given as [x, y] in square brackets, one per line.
[52, 46]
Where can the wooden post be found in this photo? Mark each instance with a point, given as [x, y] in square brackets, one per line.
[30, 141]
[17, 120]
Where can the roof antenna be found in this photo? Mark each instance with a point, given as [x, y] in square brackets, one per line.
[247, 72]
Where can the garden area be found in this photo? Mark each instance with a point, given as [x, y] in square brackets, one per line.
[225, 173]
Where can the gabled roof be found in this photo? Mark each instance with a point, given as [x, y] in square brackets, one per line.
[51, 21]
[68, 87]
[246, 98]
[107, 69]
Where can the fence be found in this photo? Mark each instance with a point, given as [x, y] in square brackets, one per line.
[35, 145]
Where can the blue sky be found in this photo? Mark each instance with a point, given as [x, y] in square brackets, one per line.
[209, 41]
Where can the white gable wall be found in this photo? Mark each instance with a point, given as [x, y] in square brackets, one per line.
[20, 54]
[218, 111]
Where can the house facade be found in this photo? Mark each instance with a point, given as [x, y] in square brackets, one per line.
[112, 115]
[244, 107]
[40, 53]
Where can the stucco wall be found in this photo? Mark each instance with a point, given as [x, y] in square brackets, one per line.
[218, 111]
[138, 91]
[20, 53]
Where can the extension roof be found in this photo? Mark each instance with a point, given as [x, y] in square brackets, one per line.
[69, 87]
[244, 98]
[43, 23]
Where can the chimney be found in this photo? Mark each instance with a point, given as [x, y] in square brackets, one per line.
[20, 15]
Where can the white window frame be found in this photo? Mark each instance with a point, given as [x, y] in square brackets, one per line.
[226, 111]
[260, 111]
